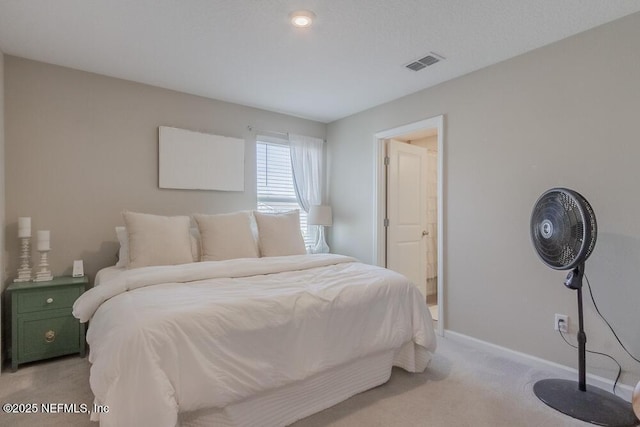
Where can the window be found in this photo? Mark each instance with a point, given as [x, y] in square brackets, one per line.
[275, 183]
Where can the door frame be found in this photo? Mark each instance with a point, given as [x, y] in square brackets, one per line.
[380, 198]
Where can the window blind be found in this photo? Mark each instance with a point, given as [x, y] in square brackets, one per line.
[275, 183]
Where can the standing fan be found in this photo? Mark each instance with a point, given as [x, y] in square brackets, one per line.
[563, 232]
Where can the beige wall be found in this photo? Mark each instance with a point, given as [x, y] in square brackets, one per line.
[563, 115]
[81, 148]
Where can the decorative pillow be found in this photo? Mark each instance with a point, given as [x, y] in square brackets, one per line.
[226, 236]
[195, 243]
[123, 239]
[254, 230]
[279, 234]
[157, 240]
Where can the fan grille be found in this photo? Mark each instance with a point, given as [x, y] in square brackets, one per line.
[563, 228]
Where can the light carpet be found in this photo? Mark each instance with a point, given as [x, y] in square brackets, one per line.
[462, 386]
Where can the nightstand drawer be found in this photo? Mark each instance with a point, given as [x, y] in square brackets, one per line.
[47, 299]
[49, 336]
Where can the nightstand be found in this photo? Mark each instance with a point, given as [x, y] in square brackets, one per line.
[42, 325]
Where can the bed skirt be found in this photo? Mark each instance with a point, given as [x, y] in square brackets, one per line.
[285, 405]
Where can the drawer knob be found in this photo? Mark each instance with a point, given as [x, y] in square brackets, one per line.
[50, 336]
[49, 300]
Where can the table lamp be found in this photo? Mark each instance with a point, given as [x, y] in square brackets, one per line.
[320, 215]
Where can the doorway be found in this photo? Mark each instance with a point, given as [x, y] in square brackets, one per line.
[428, 134]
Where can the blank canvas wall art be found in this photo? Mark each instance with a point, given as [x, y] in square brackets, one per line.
[191, 160]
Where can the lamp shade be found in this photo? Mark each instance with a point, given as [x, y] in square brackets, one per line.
[319, 215]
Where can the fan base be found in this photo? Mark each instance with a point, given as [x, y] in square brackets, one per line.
[594, 406]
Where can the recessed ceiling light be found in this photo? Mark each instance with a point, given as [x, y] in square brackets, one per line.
[302, 18]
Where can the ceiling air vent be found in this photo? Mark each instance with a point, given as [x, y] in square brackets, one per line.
[416, 66]
[421, 63]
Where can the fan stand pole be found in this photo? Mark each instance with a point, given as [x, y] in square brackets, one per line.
[582, 347]
[594, 405]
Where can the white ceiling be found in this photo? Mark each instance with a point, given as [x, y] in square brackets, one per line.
[245, 51]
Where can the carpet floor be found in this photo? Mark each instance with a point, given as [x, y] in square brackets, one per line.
[461, 387]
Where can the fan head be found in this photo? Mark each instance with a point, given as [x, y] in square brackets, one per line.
[563, 228]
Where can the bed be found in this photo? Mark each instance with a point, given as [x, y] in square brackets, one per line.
[247, 341]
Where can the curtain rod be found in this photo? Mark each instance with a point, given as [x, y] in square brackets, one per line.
[271, 133]
[267, 132]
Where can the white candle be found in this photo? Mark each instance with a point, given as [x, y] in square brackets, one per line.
[24, 226]
[44, 240]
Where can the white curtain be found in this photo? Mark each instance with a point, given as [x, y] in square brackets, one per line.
[307, 166]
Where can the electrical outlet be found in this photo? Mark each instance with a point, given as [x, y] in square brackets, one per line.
[561, 323]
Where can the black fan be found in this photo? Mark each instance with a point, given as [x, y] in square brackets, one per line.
[563, 231]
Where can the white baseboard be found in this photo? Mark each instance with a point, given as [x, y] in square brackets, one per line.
[622, 390]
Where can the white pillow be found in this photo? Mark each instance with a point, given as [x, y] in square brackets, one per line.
[157, 240]
[279, 234]
[195, 243]
[226, 236]
[123, 239]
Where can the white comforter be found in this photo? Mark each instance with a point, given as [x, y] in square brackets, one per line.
[181, 338]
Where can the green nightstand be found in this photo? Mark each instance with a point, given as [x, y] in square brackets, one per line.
[42, 325]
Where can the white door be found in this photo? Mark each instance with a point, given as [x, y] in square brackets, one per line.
[407, 212]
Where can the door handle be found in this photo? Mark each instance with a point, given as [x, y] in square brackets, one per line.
[425, 233]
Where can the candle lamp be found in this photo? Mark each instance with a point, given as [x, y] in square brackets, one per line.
[44, 246]
[24, 234]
